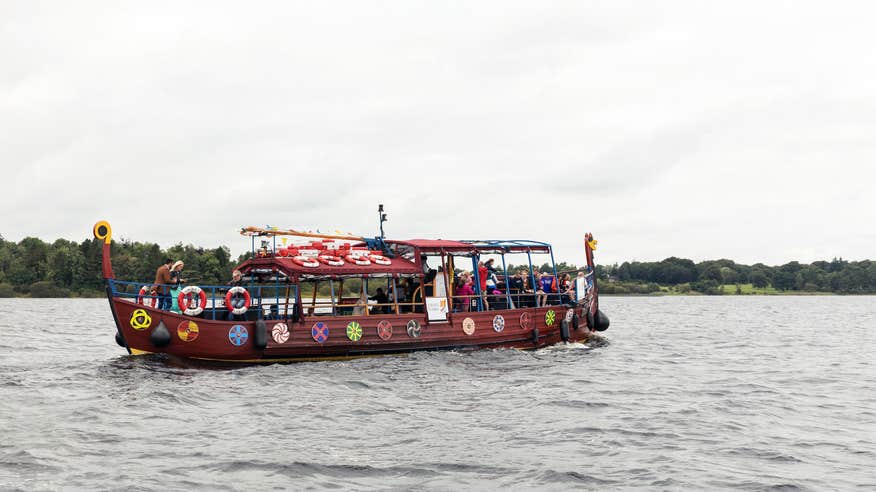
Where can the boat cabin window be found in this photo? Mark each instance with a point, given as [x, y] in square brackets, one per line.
[361, 296]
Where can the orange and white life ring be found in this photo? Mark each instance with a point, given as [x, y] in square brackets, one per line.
[306, 261]
[144, 298]
[229, 299]
[379, 259]
[187, 302]
[331, 260]
[358, 259]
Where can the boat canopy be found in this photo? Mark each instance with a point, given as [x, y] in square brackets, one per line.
[287, 266]
[475, 246]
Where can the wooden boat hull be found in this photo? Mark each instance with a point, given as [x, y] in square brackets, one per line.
[200, 338]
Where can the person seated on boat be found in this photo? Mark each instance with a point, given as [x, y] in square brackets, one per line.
[497, 298]
[382, 302]
[515, 287]
[464, 292]
[548, 284]
[161, 287]
[565, 287]
[540, 296]
[361, 305]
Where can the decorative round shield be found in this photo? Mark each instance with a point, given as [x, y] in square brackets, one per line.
[280, 333]
[140, 319]
[384, 329]
[569, 313]
[524, 321]
[238, 335]
[468, 326]
[187, 331]
[498, 323]
[550, 317]
[413, 329]
[354, 331]
[319, 332]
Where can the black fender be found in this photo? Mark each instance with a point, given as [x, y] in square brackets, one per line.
[160, 337]
[564, 330]
[260, 337]
[535, 336]
[602, 321]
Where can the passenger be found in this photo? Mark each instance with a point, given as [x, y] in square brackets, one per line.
[565, 287]
[482, 278]
[236, 279]
[161, 287]
[237, 302]
[176, 274]
[176, 282]
[548, 286]
[464, 292]
[528, 294]
[361, 305]
[381, 299]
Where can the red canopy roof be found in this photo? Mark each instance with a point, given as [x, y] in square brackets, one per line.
[398, 266]
[428, 245]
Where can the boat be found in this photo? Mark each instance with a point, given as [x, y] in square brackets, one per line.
[308, 299]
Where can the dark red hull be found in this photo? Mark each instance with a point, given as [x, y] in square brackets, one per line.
[238, 341]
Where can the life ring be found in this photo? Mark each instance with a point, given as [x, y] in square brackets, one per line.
[233, 292]
[306, 261]
[184, 298]
[358, 260]
[379, 259]
[143, 297]
[331, 260]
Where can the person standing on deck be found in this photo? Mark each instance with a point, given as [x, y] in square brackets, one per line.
[482, 280]
[160, 287]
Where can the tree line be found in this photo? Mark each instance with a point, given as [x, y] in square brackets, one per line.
[67, 268]
[709, 277]
[70, 269]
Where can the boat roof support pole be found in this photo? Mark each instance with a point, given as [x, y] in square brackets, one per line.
[446, 283]
[395, 294]
[332, 294]
[507, 290]
[474, 271]
[556, 278]
[531, 275]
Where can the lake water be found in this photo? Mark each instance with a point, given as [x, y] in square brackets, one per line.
[705, 393]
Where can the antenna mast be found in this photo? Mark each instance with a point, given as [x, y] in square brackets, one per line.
[382, 217]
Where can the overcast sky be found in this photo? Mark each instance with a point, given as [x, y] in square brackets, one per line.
[741, 130]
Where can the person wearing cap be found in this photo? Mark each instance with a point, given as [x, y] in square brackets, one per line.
[160, 287]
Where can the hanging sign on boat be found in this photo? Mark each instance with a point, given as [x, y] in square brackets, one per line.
[436, 307]
[550, 317]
